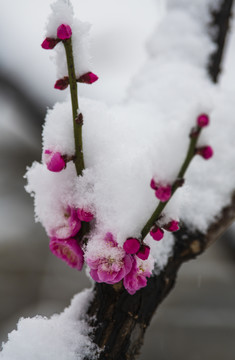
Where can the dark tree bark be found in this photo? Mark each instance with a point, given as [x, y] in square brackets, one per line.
[119, 320]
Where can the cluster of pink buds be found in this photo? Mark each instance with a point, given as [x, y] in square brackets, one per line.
[121, 264]
[157, 232]
[205, 151]
[162, 191]
[133, 246]
[87, 78]
[64, 32]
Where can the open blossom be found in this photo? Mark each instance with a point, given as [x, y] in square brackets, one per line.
[69, 227]
[111, 265]
[64, 32]
[68, 250]
[54, 161]
[137, 277]
[84, 215]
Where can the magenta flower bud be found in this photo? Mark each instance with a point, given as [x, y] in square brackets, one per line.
[54, 161]
[163, 193]
[143, 253]
[203, 120]
[206, 152]
[131, 246]
[88, 78]
[64, 32]
[69, 251]
[49, 43]
[153, 184]
[172, 226]
[157, 233]
[84, 215]
[62, 84]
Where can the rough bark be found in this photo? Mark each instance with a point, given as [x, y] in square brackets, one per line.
[119, 320]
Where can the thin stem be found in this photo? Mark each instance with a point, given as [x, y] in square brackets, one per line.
[161, 206]
[77, 126]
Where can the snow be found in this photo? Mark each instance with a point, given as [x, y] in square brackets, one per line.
[125, 145]
[64, 336]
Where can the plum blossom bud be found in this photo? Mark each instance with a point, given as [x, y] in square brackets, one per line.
[206, 152]
[172, 226]
[131, 246]
[62, 84]
[84, 215]
[163, 193]
[157, 233]
[143, 253]
[68, 250]
[153, 184]
[64, 32]
[88, 78]
[203, 120]
[54, 161]
[49, 43]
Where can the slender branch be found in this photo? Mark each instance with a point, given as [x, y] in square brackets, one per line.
[77, 125]
[161, 206]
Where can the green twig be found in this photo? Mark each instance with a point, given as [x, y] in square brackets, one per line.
[161, 206]
[77, 126]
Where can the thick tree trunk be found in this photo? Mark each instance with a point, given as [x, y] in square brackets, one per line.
[119, 320]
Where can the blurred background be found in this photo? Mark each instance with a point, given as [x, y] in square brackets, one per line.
[197, 321]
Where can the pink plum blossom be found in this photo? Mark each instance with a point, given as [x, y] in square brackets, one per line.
[137, 277]
[62, 84]
[84, 215]
[88, 78]
[163, 193]
[68, 250]
[143, 253]
[172, 226]
[69, 227]
[110, 265]
[203, 120]
[157, 233]
[206, 152]
[64, 32]
[49, 43]
[131, 246]
[54, 161]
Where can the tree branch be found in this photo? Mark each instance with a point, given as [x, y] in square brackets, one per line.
[219, 26]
